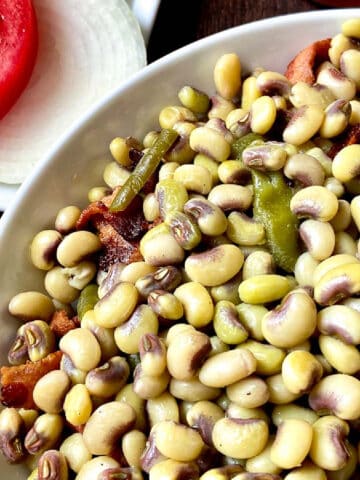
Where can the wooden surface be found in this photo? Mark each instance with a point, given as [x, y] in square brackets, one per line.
[181, 22]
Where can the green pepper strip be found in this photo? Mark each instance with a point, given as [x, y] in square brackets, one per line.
[143, 170]
[272, 208]
[87, 300]
[239, 145]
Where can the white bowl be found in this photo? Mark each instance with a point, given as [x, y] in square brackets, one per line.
[76, 163]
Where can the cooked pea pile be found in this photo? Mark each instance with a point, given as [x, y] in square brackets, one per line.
[231, 351]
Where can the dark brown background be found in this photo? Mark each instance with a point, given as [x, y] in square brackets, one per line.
[180, 22]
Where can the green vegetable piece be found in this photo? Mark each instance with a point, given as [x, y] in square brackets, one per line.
[272, 207]
[239, 146]
[143, 170]
[87, 300]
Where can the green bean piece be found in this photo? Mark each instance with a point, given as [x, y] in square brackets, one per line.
[272, 207]
[239, 145]
[143, 170]
[87, 300]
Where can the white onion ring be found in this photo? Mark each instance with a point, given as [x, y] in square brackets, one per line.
[86, 49]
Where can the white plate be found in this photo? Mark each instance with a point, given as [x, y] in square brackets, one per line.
[145, 11]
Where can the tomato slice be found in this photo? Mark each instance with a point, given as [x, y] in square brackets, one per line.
[18, 49]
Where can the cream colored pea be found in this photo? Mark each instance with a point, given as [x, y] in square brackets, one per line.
[244, 230]
[227, 75]
[355, 112]
[338, 283]
[300, 371]
[263, 288]
[341, 356]
[66, 219]
[151, 208]
[57, 286]
[342, 219]
[278, 393]
[268, 357]
[336, 118]
[116, 306]
[31, 305]
[287, 451]
[75, 451]
[328, 449]
[355, 210]
[351, 28]
[340, 85]
[337, 393]
[210, 142]
[292, 410]
[250, 92]
[341, 321]
[263, 114]
[76, 247]
[238, 438]
[43, 249]
[163, 407]
[226, 368]
[119, 149]
[216, 266]
[344, 243]
[195, 178]
[78, 405]
[127, 395]
[346, 163]
[159, 247]
[315, 202]
[192, 347]
[233, 410]
[262, 462]
[106, 425]
[135, 270]
[336, 187]
[177, 441]
[318, 237]
[172, 114]
[133, 445]
[250, 392]
[96, 194]
[339, 44]
[128, 335]
[304, 269]
[304, 94]
[209, 164]
[197, 303]
[173, 470]
[50, 390]
[82, 347]
[279, 326]
[349, 65]
[305, 122]
[192, 390]
[331, 263]
[97, 467]
[251, 317]
[231, 197]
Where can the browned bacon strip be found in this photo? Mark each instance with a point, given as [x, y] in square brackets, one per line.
[302, 67]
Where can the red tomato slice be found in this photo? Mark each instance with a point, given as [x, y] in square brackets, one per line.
[18, 49]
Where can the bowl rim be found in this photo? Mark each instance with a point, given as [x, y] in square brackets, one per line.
[148, 70]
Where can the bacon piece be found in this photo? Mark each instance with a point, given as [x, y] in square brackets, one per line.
[130, 223]
[302, 67]
[119, 232]
[116, 248]
[60, 323]
[18, 381]
[349, 137]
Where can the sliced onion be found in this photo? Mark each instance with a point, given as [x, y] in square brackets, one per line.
[86, 49]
